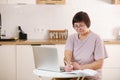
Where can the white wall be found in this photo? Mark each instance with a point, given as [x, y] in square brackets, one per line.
[37, 19]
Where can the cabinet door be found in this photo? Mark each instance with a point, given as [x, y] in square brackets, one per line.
[60, 49]
[113, 56]
[111, 74]
[111, 67]
[7, 62]
[25, 63]
[21, 1]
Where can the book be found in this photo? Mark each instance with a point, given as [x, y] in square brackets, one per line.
[85, 72]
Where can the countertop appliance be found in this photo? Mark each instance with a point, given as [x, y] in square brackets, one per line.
[1, 31]
[0, 25]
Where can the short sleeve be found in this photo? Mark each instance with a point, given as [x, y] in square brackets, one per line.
[100, 50]
[69, 43]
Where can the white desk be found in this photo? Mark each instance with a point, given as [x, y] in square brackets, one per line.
[54, 74]
[43, 73]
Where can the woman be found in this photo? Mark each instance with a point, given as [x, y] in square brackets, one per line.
[84, 49]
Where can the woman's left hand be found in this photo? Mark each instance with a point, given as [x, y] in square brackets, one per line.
[76, 66]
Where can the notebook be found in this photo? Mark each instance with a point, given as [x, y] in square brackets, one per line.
[46, 58]
[85, 72]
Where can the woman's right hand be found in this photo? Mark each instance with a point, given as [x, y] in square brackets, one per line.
[68, 68]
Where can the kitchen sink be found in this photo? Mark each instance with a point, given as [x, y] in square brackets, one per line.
[1, 40]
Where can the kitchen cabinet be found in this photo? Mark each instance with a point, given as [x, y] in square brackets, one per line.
[116, 1]
[111, 74]
[21, 1]
[50, 1]
[111, 67]
[3, 1]
[17, 61]
[7, 62]
[32, 1]
[17, 1]
[60, 49]
[25, 63]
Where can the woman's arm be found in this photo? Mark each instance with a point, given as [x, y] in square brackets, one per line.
[67, 60]
[68, 56]
[94, 65]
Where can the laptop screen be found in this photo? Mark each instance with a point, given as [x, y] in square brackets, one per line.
[46, 58]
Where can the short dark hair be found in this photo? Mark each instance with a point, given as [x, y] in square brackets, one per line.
[81, 17]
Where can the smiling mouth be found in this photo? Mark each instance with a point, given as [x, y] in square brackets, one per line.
[80, 30]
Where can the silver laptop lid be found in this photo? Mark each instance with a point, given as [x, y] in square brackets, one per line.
[46, 58]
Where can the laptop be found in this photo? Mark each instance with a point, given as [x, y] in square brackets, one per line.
[46, 58]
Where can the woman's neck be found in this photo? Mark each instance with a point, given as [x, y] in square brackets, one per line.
[84, 35]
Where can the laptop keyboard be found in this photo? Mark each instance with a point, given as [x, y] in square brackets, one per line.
[62, 69]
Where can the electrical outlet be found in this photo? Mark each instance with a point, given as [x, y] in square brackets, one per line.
[39, 30]
[36, 29]
[42, 30]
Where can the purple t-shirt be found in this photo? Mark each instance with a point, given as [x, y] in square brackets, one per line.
[87, 50]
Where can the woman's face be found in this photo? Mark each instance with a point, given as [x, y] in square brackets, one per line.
[80, 27]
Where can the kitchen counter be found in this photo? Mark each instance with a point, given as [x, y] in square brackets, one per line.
[33, 42]
[47, 42]
[112, 41]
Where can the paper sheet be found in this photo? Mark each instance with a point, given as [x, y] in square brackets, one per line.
[87, 72]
